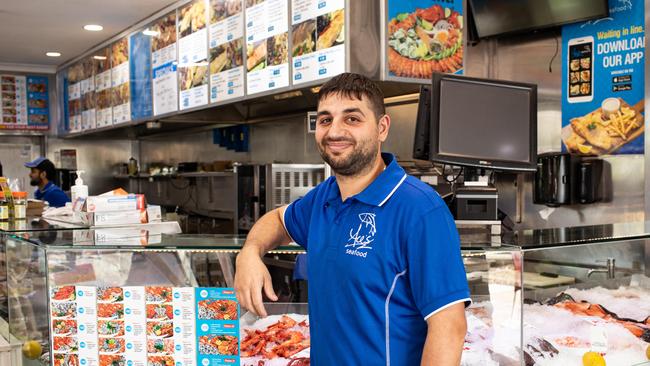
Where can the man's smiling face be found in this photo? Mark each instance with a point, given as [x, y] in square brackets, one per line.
[348, 133]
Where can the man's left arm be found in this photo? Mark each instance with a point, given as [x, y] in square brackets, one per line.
[439, 285]
[445, 337]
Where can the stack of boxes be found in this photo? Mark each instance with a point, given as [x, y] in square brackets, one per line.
[117, 210]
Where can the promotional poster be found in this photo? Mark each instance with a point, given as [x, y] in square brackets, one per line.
[423, 37]
[603, 82]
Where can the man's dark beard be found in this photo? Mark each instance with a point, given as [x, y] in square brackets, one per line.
[360, 160]
[34, 182]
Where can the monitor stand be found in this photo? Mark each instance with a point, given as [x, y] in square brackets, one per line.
[476, 201]
[476, 177]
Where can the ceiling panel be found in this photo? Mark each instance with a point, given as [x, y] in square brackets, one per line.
[29, 28]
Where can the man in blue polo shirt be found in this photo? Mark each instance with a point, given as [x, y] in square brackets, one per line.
[387, 284]
[41, 174]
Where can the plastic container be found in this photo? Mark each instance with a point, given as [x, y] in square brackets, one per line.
[4, 207]
[79, 189]
[20, 205]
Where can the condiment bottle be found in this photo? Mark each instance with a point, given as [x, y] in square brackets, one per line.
[4, 207]
[20, 205]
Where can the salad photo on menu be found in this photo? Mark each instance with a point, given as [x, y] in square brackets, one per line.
[425, 41]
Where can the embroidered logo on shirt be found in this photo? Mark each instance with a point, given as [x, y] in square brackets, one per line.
[362, 236]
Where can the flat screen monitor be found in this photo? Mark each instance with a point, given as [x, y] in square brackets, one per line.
[475, 122]
[500, 17]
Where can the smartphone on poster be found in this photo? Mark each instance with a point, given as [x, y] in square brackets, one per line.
[580, 65]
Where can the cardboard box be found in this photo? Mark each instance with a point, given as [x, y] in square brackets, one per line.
[154, 213]
[112, 218]
[115, 203]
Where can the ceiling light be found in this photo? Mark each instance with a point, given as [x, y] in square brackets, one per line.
[93, 27]
[99, 57]
[53, 54]
[149, 32]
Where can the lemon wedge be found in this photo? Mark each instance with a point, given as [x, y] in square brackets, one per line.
[32, 350]
[584, 149]
[593, 359]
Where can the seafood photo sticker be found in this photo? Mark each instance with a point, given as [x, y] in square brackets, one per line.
[110, 311]
[62, 293]
[218, 310]
[65, 344]
[158, 294]
[160, 312]
[225, 345]
[63, 309]
[160, 361]
[160, 329]
[113, 328]
[111, 345]
[64, 327]
[163, 346]
[67, 359]
[110, 294]
[112, 360]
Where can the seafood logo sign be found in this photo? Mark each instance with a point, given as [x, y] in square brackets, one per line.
[603, 82]
[423, 37]
[362, 236]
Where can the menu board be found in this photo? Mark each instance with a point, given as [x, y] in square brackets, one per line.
[267, 44]
[423, 37]
[193, 54]
[318, 34]
[74, 97]
[103, 110]
[25, 102]
[88, 95]
[38, 105]
[140, 326]
[120, 93]
[163, 64]
[140, 75]
[226, 50]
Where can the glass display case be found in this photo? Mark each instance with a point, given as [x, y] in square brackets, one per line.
[30, 226]
[543, 297]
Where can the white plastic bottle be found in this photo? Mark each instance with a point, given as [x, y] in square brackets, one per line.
[78, 190]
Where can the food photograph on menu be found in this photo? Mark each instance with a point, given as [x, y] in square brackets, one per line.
[223, 9]
[226, 56]
[424, 39]
[192, 18]
[256, 56]
[163, 32]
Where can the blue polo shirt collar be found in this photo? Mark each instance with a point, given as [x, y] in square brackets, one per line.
[47, 187]
[381, 189]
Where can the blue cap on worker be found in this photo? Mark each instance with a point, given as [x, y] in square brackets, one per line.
[36, 162]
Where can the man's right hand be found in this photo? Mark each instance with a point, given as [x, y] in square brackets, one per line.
[251, 277]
